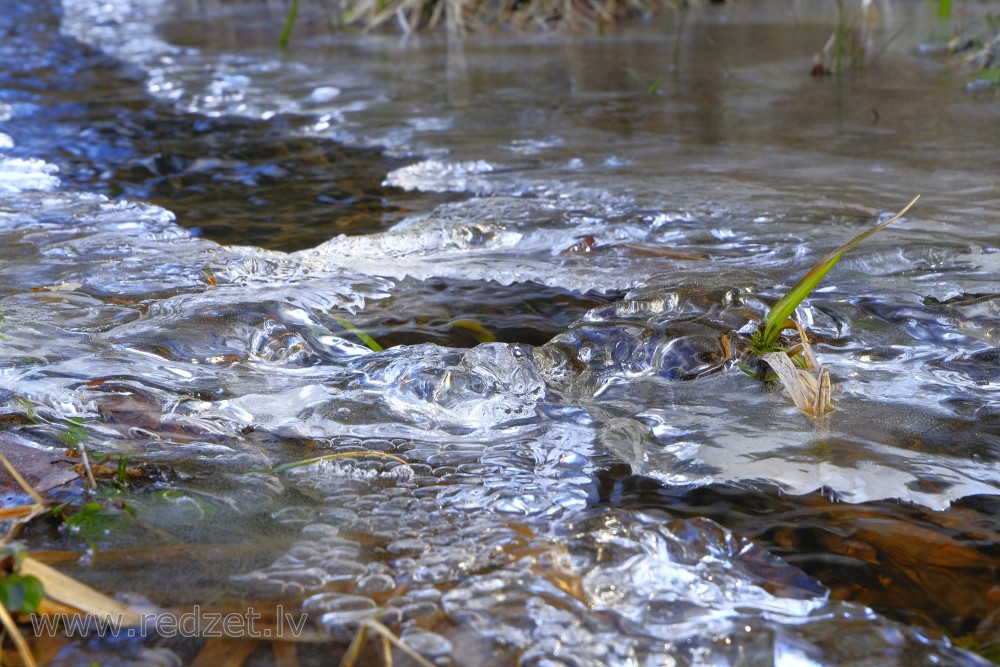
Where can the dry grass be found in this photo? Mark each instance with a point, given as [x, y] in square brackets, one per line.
[462, 16]
[473, 16]
[983, 53]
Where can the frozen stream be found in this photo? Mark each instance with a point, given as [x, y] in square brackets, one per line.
[554, 238]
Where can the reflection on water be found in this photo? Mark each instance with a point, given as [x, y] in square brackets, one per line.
[107, 135]
[552, 461]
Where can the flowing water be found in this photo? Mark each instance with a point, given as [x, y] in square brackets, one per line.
[555, 238]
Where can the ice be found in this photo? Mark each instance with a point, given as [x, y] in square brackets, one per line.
[486, 387]
[710, 428]
[18, 175]
[126, 28]
[508, 239]
[438, 176]
[460, 499]
[683, 593]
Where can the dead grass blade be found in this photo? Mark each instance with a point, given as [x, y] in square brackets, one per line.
[24, 513]
[388, 638]
[20, 480]
[800, 385]
[79, 596]
[15, 635]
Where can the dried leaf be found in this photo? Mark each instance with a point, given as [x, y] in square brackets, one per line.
[824, 395]
[801, 394]
[79, 596]
[225, 652]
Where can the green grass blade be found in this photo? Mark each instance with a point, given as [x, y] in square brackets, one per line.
[362, 336]
[781, 311]
[289, 22]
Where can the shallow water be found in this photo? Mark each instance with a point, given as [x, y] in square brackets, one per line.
[553, 461]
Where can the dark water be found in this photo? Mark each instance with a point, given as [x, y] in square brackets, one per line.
[89, 114]
[580, 218]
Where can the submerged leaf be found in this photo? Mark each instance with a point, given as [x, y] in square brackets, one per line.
[70, 592]
[479, 332]
[362, 336]
[285, 467]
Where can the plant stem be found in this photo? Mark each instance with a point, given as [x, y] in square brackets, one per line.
[774, 321]
[289, 22]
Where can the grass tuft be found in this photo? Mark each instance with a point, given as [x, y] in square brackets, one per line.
[471, 16]
[767, 337]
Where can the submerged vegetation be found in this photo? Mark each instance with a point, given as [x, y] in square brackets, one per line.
[31, 589]
[19, 592]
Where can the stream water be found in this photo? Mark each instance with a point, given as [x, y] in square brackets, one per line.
[553, 461]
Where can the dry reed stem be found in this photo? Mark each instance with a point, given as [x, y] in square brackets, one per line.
[388, 638]
[15, 635]
[24, 513]
[86, 466]
[70, 592]
[23, 483]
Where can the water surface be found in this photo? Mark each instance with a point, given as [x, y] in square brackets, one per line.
[556, 239]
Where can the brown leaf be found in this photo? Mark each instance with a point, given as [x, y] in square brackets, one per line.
[42, 469]
[79, 596]
[219, 652]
